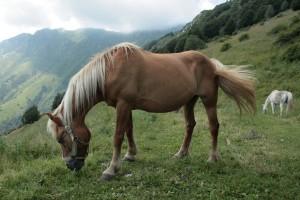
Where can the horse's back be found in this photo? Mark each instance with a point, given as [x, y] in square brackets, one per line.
[159, 82]
[277, 96]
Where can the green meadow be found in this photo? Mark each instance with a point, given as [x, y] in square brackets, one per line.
[260, 152]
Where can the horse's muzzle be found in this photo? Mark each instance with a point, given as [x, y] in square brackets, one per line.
[75, 164]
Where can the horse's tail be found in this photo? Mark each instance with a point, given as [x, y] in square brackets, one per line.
[238, 83]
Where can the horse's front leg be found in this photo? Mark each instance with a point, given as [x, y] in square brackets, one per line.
[123, 116]
[131, 152]
[273, 109]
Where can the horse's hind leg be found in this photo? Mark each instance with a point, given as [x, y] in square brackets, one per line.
[131, 152]
[210, 105]
[190, 124]
[287, 109]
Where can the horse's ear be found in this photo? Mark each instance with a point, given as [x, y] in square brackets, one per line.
[55, 119]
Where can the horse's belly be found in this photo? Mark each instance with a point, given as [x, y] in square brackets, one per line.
[162, 104]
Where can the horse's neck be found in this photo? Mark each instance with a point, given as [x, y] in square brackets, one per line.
[78, 117]
[267, 101]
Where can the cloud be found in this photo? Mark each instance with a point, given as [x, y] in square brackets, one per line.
[17, 16]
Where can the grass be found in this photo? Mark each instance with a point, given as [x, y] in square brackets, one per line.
[251, 167]
[264, 57]
[260, 153]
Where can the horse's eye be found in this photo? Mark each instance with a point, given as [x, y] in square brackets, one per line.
[61, 138]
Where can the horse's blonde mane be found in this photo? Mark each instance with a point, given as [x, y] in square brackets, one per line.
[83, 86]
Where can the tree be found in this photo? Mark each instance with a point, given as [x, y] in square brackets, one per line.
[57, 100]
[180, 44]
[211, 28]
[277, 5]
[247, 19]
[229, 27]
[284, 5]
[260, 14]
[270, 12]
[31, 115]
[193, 42]
[171, 45]
[150, 45]
[295, 5]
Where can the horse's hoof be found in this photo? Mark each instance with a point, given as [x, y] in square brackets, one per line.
[213, 158]
[106, 177]
[129, 158]
[180, 155]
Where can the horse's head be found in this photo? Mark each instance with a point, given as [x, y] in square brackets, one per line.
[74, 141]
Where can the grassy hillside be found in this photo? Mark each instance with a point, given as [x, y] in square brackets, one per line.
[263, 53]
[225, 19]
[260, 153]
[35, 67]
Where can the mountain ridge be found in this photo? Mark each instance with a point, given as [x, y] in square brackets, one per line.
[34, 67]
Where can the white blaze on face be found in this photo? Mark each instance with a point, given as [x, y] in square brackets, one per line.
[51, 125]
[51, 128]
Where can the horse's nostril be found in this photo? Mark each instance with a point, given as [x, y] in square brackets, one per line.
[75, 164]
[79, 164]
[69, 166]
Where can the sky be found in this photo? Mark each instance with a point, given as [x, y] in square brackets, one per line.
[28, 16]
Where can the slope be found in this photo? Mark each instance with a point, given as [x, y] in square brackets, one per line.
[260, 154]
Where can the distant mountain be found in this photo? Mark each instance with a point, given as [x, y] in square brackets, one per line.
[33, 68]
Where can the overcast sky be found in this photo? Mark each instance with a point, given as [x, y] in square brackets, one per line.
[19, 16]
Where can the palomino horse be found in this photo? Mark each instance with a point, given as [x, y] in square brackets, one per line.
[128, 78]
[279, 97]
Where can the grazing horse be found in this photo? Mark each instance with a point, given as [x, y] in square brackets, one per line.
[280, 98]
[128, 78]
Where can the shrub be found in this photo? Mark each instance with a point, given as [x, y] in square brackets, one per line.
[57, 100]
[277, 29]
[223, 39]
[225, 47]
[292, 53]
[288, 37]
[244, 37]
[295, 20]
[31, 115]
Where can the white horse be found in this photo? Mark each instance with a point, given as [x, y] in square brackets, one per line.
[281, 98]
